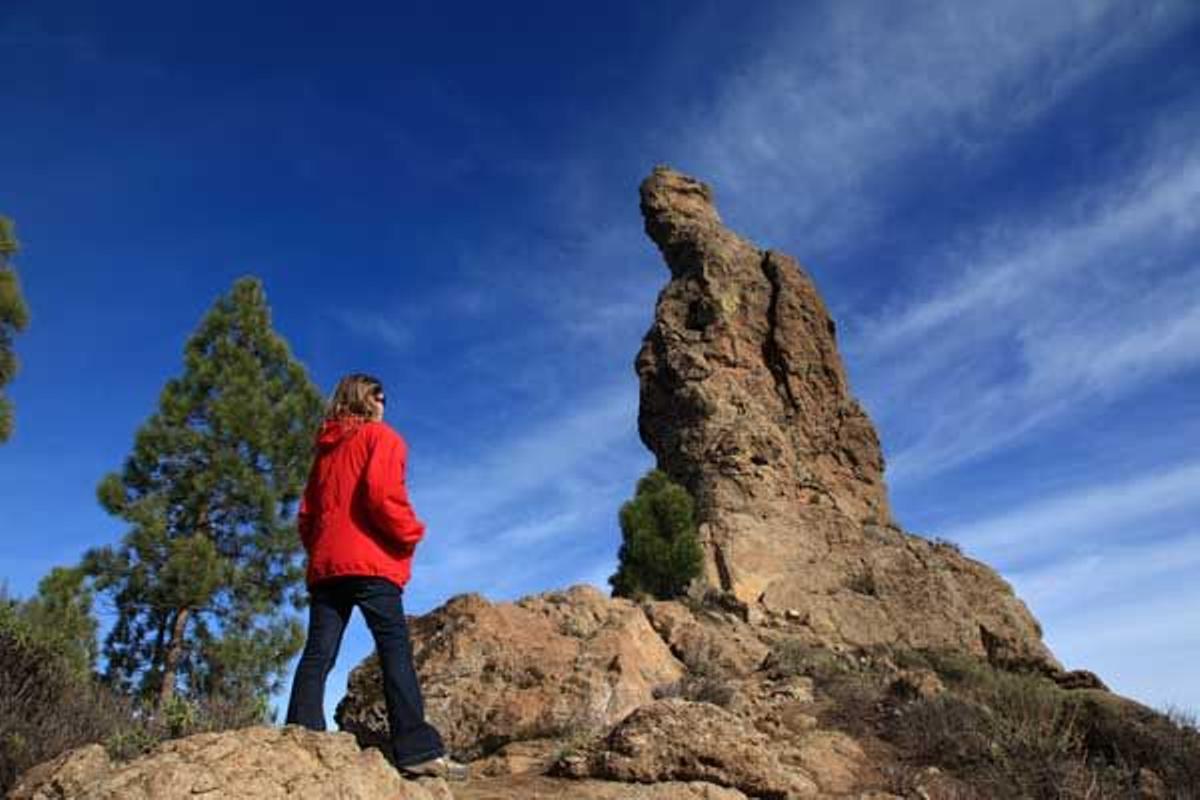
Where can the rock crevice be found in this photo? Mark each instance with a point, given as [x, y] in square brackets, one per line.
[772, 355]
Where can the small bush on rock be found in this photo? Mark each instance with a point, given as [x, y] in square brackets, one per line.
[660, 554]
[698, 689]
[791, 657]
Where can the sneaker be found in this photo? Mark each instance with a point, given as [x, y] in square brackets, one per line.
[441, 767]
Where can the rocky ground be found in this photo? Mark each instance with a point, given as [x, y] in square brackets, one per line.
[714, 701]
[577, 695]
[258, 762]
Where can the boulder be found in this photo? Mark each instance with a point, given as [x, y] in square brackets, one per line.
[678, 740]
[560, 665]
[722, 645]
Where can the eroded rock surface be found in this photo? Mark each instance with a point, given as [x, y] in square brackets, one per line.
[556, 665]
[685, 741]
[740, 372]
[745, 401]
[531, 787]
[260, 762]
[725, 645]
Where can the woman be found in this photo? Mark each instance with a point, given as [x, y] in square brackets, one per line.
[359, 532]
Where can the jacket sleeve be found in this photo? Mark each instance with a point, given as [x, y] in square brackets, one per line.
[387, 495]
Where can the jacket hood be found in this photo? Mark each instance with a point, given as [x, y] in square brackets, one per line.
[335, 431]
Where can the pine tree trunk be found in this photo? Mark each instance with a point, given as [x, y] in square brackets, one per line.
[178, 628]
[160, 640]
[174, 656]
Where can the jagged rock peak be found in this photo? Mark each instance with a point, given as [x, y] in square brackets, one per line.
[745, 401]
[743, 389]
[679, 213]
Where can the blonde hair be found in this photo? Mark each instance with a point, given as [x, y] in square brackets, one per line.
[350, 398]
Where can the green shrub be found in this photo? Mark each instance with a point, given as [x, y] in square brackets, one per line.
[660, 554]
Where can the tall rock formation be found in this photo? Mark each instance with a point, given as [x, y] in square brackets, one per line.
[745, 401]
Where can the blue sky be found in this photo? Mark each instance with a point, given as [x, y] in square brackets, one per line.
[998, 202]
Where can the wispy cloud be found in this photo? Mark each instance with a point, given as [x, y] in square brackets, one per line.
[843, 95]
[1141, 638]
[1022, 257]
[1111, 576]
[1106, 567]
[1043, 314]
[505, 471]
[375, 326]
[1083, 516]
[536, 531]
[544, 496]
[1155, 334]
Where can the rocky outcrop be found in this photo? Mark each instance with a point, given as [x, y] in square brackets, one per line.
[263, 763]
[601, 692]
[745, 401]
[731, 648]
[685, 741]
[740, 373]
[557, 665]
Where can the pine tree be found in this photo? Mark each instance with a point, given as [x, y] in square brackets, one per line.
[660, 554]
[14, 317]
[60, 614]
[203, 580]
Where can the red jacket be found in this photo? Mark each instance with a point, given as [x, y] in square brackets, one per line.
[355, 518]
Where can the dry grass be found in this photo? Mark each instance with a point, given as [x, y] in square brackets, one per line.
[47, 708]
[699, 689]
[790, 657]
[1018, 735]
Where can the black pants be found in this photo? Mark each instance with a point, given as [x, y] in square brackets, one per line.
[413, 739]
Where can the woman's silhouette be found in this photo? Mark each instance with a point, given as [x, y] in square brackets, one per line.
[359, 532]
